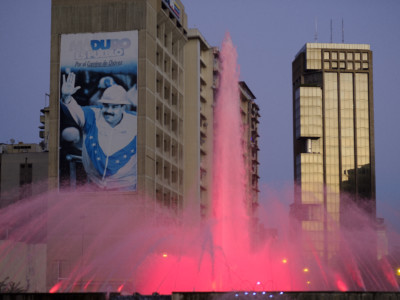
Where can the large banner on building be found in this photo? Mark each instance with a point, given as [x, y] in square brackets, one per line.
[98, 105]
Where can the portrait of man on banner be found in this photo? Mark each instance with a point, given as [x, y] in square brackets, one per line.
[98, 105]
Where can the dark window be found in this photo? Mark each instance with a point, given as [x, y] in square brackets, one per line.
[25, 180]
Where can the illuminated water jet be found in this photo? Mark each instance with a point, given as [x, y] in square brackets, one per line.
[229, 189]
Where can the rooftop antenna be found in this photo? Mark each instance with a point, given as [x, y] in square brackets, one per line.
[331, 33]
[342, 31]
[316, 31]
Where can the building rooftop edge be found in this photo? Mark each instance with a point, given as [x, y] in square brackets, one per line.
[195, 33]
[244, 87]
[333, 46]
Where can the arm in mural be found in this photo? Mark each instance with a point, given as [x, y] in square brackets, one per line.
[68, 88]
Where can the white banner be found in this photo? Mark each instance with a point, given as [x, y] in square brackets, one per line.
[98, 105]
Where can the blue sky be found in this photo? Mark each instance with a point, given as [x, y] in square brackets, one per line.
[267, 34]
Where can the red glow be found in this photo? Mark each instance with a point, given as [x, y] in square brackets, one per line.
[87, 285]
[390, 276]
[55, 288]
[120, 288]
[341, 286]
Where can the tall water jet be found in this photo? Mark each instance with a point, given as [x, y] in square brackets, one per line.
[229, 184]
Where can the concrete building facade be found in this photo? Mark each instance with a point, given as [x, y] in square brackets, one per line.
[160, 84]
[23, 172]
[23, 176]
[198, 133]
[162, 34]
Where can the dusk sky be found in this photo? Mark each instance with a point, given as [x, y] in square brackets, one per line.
[267, 35]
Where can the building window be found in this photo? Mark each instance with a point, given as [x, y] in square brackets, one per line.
[62, 269]
[350, 65]
[364, 56]
[158, 113]
[349, 56]
[158, 140]
[25, 180]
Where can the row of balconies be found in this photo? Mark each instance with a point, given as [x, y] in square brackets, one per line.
[203, 178]
[169, 198]
[169, 66]
[170, 33]
[169, 93]
[169, 121]
[168, 174]
[168, 147]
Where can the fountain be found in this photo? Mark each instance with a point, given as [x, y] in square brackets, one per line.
[102, 245]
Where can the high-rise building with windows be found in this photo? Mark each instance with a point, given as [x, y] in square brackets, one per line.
[333, 139]
[97, 42]
[137, 45]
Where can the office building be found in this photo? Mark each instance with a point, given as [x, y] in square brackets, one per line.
[333, 140]
[137, 45]
[157, 34]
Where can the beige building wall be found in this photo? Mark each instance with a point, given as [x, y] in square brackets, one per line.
[22, 264]
[23, 172]
[250, 115]
[198, 131]
[160, 83]
[160, 144]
